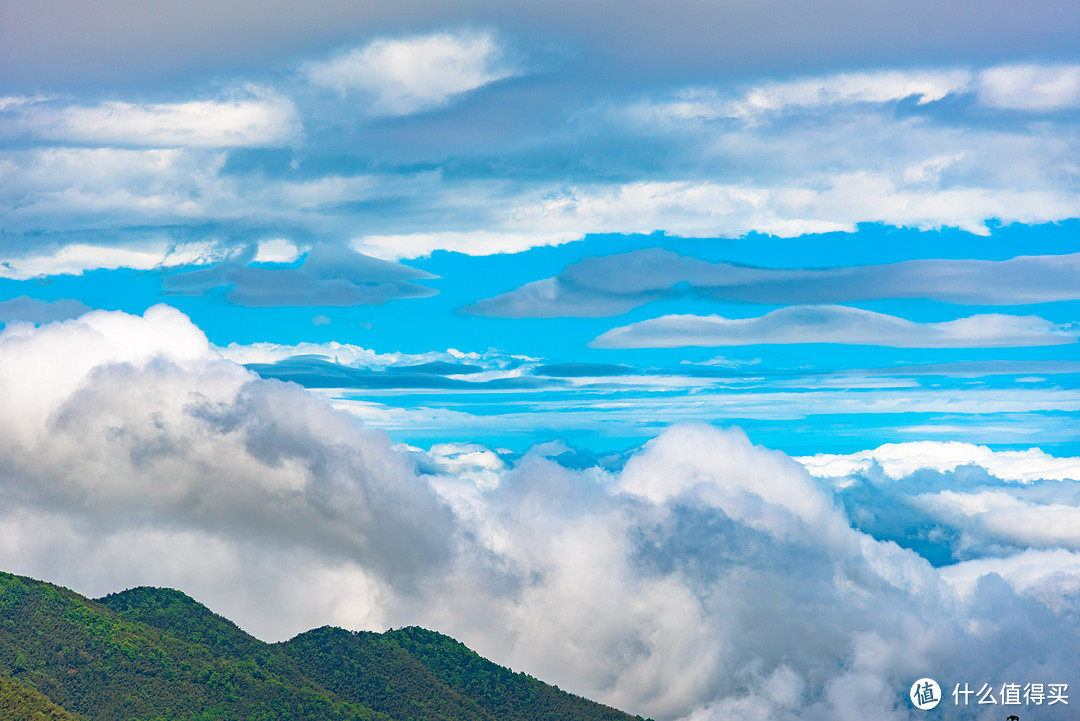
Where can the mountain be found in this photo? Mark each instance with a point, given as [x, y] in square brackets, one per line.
[153, 654]
[22, 703]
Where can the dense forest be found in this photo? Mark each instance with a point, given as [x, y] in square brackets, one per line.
[152, 654]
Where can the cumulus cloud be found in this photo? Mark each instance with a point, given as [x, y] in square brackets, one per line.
[897, 460]
[1049, 575]
[329, 275]
[412, 74]
[121, 431]
[256, 118]
[837, 324]
[999, 517]
[957, 502]
[614, 284]
[469, 462]
[707, 577]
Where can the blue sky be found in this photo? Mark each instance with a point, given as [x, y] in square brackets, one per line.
[474, 189]
[507, 259]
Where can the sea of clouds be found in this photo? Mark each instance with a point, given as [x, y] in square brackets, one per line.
[708, 578]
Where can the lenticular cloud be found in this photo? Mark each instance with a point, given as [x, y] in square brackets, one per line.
[708, 579]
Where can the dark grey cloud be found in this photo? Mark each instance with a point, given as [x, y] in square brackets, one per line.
[614, 284]
[69, 42]
[329, 275]
[33, 310]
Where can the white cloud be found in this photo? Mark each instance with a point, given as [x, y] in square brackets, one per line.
[808, 178]
[124, 433]
[830, 90]
[465, 461]
[1030, 87]
[1051, 575]
[1001, 518]
[256, 118]
[128, 195]
[104, 188]
[413, 74]
[898, 460]
[837, 324]
[478, 242]
[631, 417]
[708, 575]
[18, 101]
[76, 258]
[355, 356]
[707, 209]
[102, 338]
[277, 250]
[724, 362]
[760, 488]
[847, 88]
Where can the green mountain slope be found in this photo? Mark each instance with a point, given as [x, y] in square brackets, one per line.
[369, 668]
[503, 694]
[182, 616]
[22, 703]
[151, 654]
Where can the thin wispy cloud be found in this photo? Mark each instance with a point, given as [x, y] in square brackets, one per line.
[75, 259]
[32, 310]
[328, 276]
[1030, 87]
[256, 118]
[838, 324]
[842, 89]
[615, 284]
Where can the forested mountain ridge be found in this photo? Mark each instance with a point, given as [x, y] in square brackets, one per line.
[151, 654]
[23, 703]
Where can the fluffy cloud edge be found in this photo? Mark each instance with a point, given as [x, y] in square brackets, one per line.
[413, 74]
